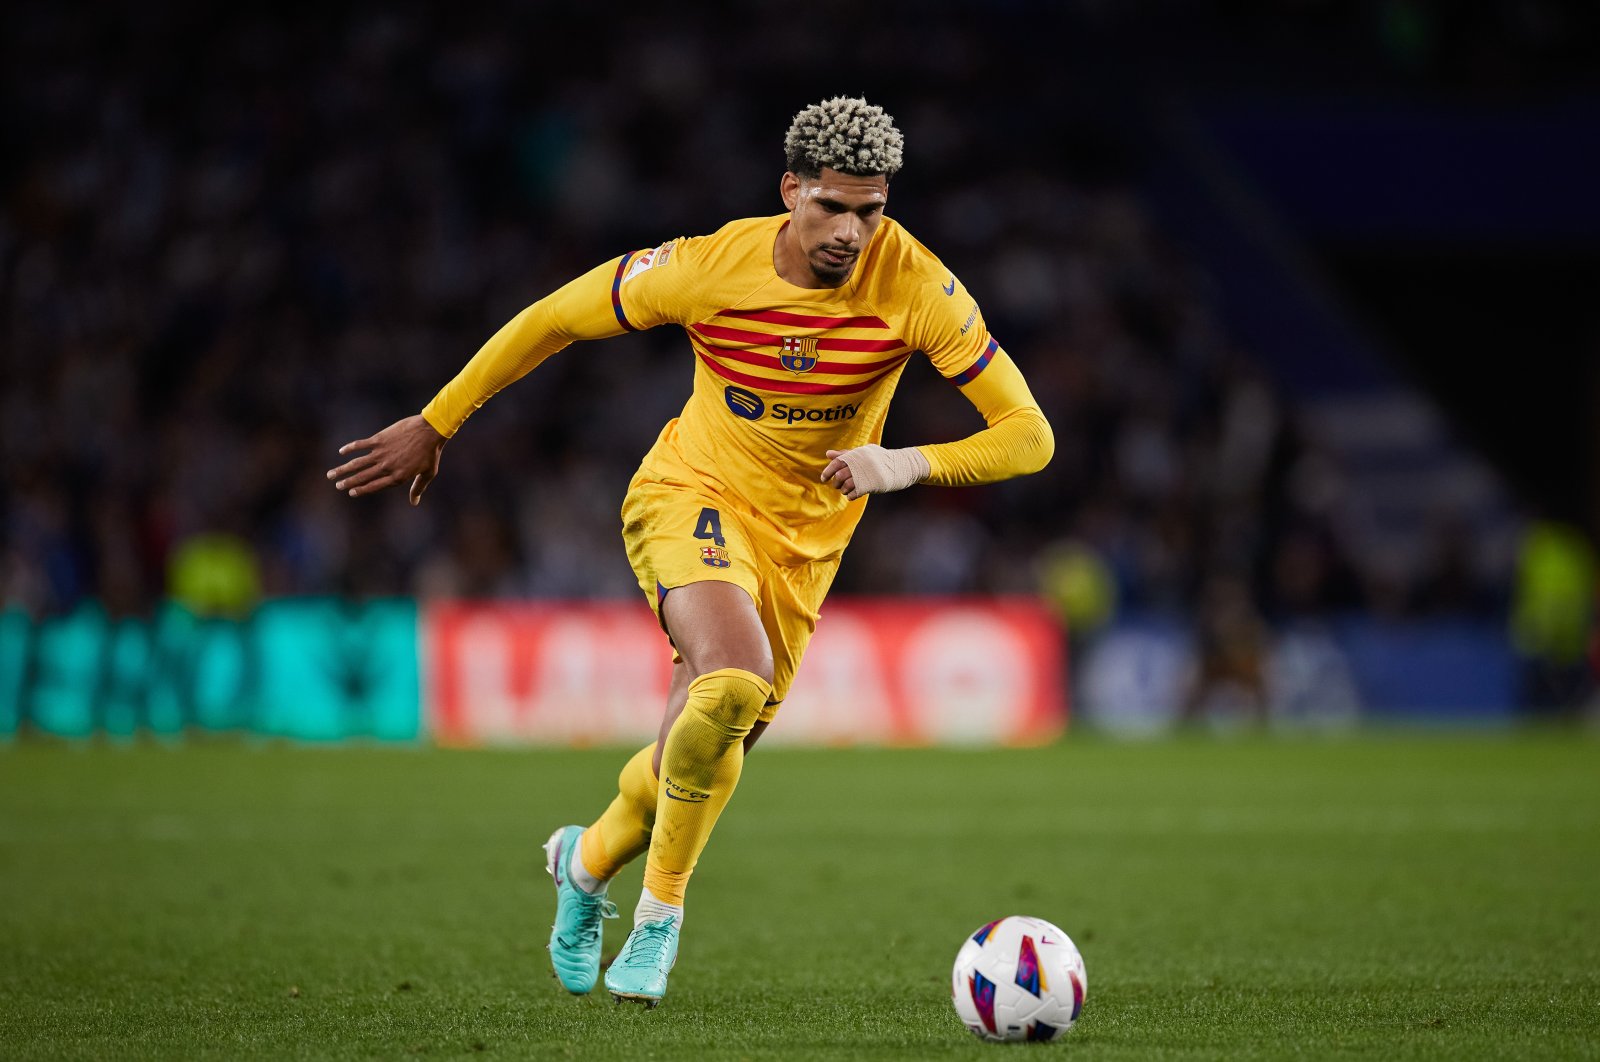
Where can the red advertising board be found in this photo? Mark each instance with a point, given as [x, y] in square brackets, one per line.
[902, 671]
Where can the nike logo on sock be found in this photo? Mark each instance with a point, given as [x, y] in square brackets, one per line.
[675, 791]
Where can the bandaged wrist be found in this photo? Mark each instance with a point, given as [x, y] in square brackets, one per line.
[878, 471]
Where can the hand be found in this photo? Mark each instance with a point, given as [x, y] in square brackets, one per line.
[871, 469]
[406, 449]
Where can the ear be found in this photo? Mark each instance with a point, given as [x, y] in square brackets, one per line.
[789, 189]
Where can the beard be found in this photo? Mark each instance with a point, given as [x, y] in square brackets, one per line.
[828, 272]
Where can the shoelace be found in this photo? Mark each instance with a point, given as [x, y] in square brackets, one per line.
[588, 930]
[648, 946]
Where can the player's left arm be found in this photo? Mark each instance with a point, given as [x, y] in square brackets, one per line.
[1015, 441]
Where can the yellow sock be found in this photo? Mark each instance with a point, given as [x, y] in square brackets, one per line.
[623, 832]
[700, 765]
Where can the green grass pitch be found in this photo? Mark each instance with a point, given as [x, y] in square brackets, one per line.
[1386, 897]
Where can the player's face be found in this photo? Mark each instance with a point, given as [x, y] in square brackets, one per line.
[831, 218]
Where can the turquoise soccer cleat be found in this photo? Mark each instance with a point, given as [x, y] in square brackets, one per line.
[575, 937]
[640, 971]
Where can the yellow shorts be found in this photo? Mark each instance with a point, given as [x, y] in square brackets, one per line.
[676, 535]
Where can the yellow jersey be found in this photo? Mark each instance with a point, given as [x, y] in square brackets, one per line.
[782, 373]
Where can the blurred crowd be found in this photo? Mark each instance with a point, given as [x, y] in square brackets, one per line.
[231, 242]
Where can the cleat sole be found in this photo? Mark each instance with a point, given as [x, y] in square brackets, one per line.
[650, 1002]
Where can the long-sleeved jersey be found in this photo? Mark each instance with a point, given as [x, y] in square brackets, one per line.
[783, 373]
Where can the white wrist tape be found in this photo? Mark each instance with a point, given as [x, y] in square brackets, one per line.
[878, 471]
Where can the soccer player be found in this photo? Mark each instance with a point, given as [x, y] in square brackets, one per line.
[735, 522]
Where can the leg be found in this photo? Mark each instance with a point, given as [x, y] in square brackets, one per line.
[582, 861]
[622, 834]
[728, 657]
[675, 703]
[727, 653]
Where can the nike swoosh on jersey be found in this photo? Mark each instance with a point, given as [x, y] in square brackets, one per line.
[950, 288]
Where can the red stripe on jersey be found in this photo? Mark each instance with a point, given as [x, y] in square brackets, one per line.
[788, 387]
[861, 346]
[803, 320]
[767, 361]
[766, 339]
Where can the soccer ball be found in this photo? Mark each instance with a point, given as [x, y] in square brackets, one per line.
[1019, 979]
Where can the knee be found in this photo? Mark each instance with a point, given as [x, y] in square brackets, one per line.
[764, 671]
[757, 664]
[730, 698]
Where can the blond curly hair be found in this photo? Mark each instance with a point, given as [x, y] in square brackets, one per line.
[847, 134]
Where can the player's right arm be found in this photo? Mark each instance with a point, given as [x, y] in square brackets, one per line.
[586, 308]
[580, 309]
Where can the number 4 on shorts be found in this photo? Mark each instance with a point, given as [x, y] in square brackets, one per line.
[710, 526]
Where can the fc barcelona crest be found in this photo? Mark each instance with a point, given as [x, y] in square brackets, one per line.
[715, 556]
[799, 354]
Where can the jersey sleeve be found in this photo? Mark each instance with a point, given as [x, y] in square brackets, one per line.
[655, 287]
[948, 327]
[590, 307]
[1017, 439]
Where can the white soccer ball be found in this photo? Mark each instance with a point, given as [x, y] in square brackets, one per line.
[1019, 979]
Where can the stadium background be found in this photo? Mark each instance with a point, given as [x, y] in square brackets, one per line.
[1306, 289]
